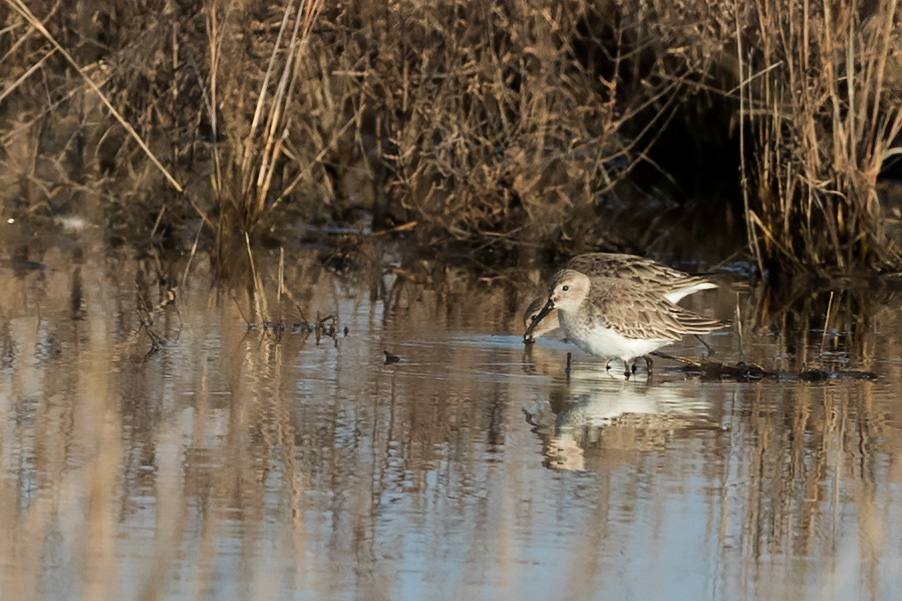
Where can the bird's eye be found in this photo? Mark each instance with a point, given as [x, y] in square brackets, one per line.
[565, 288]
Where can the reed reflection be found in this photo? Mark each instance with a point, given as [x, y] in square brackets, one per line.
[236, 463]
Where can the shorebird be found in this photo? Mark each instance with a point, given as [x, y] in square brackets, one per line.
[672, 284]
[617, 318]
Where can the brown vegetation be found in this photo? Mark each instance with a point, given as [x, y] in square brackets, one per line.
[476, 121]
[821, 84]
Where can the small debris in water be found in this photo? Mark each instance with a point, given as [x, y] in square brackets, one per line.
[321, 328]
[390, 358]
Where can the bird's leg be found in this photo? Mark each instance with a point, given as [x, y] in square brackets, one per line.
[648, 364]
[707, 346]
[607, 366]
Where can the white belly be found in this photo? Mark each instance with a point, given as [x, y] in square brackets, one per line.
[606, 343]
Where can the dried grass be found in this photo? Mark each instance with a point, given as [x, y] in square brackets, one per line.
[826, 108]
[510, 121]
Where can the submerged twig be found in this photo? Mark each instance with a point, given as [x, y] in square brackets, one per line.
[743, 371]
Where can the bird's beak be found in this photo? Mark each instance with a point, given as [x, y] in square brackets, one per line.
[548, 308]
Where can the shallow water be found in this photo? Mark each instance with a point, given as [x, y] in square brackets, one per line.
[230, 463]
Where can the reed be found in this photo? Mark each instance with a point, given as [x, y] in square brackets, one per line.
[824, 102]
[257, 146]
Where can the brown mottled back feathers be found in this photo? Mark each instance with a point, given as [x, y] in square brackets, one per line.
[634, 311]
[651, 274]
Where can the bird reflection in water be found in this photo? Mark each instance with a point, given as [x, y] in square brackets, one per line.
[608, 420]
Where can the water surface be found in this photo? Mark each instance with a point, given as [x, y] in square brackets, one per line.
[228, 462]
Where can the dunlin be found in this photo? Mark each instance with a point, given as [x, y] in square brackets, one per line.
[616, 318]
[651, 275]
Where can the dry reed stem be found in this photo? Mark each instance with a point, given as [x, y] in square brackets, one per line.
[27, 74]
[744, 82]
[258, 297]
[214, 48]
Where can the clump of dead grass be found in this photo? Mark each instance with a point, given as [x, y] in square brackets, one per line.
[820, 87]
[510, 121]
